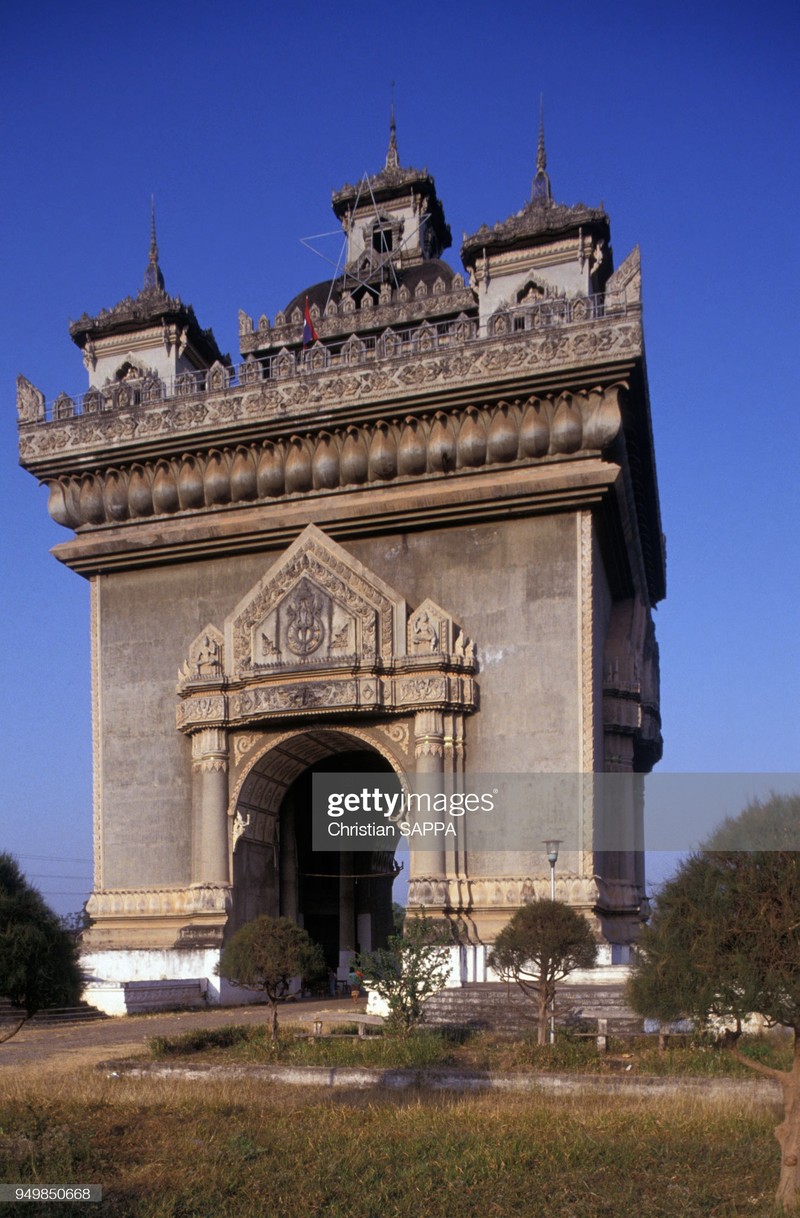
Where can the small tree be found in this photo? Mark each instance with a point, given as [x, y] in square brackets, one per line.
[542, 944]
[724, 941]
[38, 959]
[266, 955]
[410, 969]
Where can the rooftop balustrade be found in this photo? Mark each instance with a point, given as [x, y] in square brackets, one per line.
[394, 343]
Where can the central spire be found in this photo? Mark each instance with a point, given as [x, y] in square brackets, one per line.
[540, 188]
[153, 278]
[392, 158]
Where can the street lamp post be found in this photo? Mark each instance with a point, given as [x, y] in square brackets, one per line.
[551, 846]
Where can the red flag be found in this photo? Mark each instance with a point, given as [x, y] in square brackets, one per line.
[309, 333]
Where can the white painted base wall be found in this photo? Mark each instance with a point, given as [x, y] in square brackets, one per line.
[121, 982]
[113, 978]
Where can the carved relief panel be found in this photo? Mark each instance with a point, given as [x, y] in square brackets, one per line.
[307, 622]
[315, 604]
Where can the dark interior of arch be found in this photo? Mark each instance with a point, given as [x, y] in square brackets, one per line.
[343, 899]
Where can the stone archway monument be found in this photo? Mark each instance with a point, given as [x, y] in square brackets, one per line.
[308, 538]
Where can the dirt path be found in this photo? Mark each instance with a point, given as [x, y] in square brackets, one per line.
[62, 1047]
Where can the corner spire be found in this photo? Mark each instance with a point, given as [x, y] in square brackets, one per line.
[540, 188]
[392, 157]
[153, 278]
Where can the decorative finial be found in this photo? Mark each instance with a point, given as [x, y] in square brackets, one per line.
[540, 190]
[153, 245]
[392, 158]
[153, 279]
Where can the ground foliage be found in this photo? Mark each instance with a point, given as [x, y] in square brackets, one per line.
[429, 1048]
[543, 943]
[38, 958]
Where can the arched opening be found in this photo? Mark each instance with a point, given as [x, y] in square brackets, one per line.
[343, 898]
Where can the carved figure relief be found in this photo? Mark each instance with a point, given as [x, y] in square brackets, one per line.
[430, 630]
[208, 656]
[205, 660]
[304, 611]
[426, 637]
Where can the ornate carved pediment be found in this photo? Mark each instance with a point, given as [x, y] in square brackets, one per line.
[321, 635]
[316, 604]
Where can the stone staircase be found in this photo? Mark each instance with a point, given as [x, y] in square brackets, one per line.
[82, 1013]
[498, 1007]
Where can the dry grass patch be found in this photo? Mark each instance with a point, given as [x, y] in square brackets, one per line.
[164, 1149]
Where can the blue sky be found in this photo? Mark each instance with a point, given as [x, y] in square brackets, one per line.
[242, 120]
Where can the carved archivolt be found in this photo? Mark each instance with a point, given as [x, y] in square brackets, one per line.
[320, 634]
[256, 798]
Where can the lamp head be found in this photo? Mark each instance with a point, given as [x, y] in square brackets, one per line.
[551, 846]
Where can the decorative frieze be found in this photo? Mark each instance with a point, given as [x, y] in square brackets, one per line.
[201, 710]
[502, 433]
[180, 900]
[391, 310]
[509, 892]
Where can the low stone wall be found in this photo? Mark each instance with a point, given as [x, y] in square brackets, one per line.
[761, 1090]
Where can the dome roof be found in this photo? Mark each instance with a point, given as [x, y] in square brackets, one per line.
[426, 272]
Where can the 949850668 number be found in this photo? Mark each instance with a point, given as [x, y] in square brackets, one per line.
[51, 1192]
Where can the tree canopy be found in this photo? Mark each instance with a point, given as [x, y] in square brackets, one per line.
[724, 941]
[724, 938]
[543, 943]
[38, 958]
[266, 954]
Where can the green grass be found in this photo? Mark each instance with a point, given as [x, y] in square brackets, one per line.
[428, 1048]
[190, 1150]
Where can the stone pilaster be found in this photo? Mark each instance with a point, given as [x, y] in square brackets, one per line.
[429, 749]
[210, 829]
